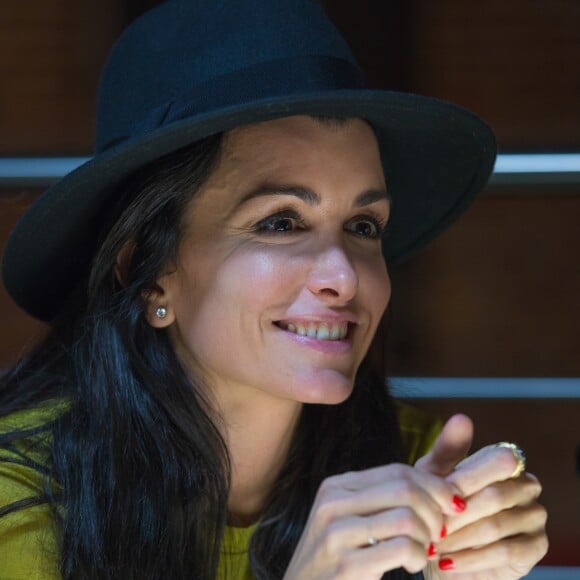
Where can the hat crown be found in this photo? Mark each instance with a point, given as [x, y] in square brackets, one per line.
[186, 45]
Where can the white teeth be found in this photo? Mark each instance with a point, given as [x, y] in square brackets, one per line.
[321, 330]
[323, 333]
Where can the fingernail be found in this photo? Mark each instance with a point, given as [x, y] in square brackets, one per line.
[458, 503]
[432, 550]
[446, 564]
[443, 531]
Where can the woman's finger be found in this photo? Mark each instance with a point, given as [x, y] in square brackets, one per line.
[335, 502]
[509, 558]
[450, 447]
[488, 465]
[444, 493]
[355, 531]
[495, 498]
[529, 520]
[402, 494]
[398, 552]
[378, 489]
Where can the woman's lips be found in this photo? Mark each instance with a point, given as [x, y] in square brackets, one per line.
[322, 330]
[325, 345]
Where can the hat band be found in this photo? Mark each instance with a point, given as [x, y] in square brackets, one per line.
[277, 78]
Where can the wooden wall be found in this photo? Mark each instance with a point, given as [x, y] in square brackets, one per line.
[514, 63]
[495, 295]
[51, 53]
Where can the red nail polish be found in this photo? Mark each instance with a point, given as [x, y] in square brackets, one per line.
[443, 533]
[446, 564]
[432, 550]
[458, 503]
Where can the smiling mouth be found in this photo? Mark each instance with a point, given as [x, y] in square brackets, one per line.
[318, 330]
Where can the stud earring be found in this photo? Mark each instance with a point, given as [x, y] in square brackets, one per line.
[161, 312]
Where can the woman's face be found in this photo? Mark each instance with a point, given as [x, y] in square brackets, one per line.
[283, 241]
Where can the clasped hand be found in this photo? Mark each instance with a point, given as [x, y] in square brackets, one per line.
[447, 516]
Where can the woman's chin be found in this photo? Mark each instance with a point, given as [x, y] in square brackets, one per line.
[324, 387]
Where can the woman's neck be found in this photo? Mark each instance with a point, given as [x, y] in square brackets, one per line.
[258, 433]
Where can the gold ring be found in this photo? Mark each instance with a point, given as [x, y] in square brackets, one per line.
[519, 456]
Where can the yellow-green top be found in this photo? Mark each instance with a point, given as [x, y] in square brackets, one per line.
[27, 540]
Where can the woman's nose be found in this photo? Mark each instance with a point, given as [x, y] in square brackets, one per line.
[333, 276]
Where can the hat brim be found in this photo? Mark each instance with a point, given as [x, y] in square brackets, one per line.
[437, 156]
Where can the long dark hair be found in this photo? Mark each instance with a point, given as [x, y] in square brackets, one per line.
[137, 474]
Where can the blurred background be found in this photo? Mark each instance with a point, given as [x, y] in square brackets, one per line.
[486, 319]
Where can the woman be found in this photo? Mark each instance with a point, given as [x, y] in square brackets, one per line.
[209, 400]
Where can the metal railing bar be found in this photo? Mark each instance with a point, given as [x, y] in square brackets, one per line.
[510, 169]
[486, 387]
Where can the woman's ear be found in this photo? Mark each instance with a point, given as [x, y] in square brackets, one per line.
[123, 261]
[158, 312]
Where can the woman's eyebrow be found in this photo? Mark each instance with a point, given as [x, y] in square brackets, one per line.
[372, 195]
[311, 197]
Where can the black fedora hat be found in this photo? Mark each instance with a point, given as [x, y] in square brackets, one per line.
[192, 68]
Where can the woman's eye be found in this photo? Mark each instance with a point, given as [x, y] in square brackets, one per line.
[279, 224]
[367, 227]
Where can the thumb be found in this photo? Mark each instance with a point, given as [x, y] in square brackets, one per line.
[450, 447]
